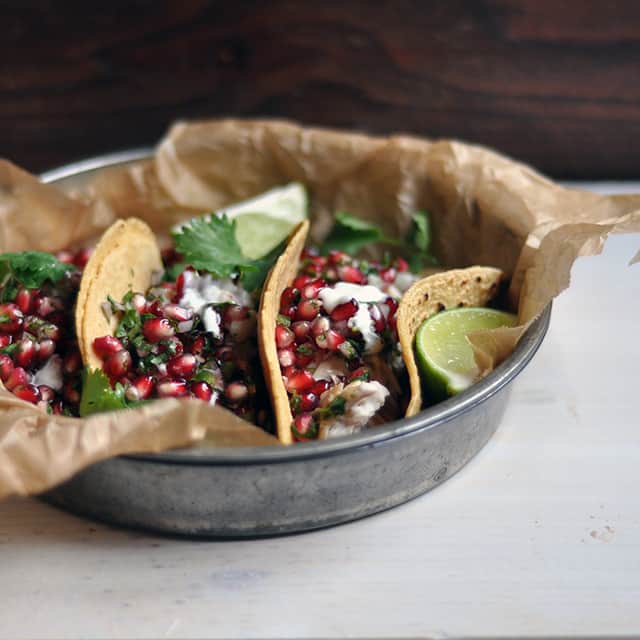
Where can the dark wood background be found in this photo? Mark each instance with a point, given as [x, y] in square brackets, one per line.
[556, 83]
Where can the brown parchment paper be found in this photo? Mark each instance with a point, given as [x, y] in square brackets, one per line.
[485, 210]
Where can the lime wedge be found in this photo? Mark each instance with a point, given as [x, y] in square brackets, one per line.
[264, 221]
[444, 354]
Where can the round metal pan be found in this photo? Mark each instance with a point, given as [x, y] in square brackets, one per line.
[246, 492]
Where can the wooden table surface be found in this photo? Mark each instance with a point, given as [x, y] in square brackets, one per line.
[538, 535]
[551, 83]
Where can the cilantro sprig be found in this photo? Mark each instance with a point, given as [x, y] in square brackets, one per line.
[209, 244]
[351, 234]
[98, 395]
[29, 269]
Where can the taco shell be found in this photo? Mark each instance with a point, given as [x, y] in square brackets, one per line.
[124, 260]
[471, 287]
[282, 274]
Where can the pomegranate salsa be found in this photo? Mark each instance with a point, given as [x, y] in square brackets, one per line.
[337, 326]
[39, 357]
[188, 336]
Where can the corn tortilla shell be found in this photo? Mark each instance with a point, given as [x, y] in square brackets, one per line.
[471, 287]
[282, 273]
[123, 260]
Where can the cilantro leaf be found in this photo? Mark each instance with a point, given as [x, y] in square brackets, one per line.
[29, 269]
[254, 272]
[418, 243]
[350, 234]
[209, 244]
[97, 394]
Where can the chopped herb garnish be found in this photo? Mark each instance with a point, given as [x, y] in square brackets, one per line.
[285, 321]
[29, 269]
[336, 407]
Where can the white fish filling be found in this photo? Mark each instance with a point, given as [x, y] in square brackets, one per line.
[363, 400]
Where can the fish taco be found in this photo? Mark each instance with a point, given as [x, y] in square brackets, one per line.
[336, 331]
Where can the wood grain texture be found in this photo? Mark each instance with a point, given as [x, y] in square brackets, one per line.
[552, 83]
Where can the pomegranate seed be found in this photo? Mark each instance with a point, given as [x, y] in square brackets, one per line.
[320, 325]
[310, 291]
[344, 311]
[330, 340]
[298, 381]
[308, 252]
[301, 281]
[18, 377]
[46, 305]
[393, 322]
[304, 426]
[172, 388]
[286, 357]
[284, 337]
[6, 367]
[351, 274]
[139, 302]
[236, 391]
[289, 312]
[378, 318]
[304, 359]
[46, 393]
[70, 393]
[289, 297]
[46, 349]
[25, 352]
[72, 362]
[140, 389]
[5, 340]
[118, 364]
[336, 257]
[401, 264]
[301, 329]
[156, 329]
[177, 313]
[155, 308]
[308, 401]
[308, 309]
[392, 303]
[388, 275]
[11, 318]
[25, 299]
[28, 392]
[199, 345]
[361, 373]
[201, 390]
[183, 366]
[106, 346]
[81, 258]
[320, 386]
